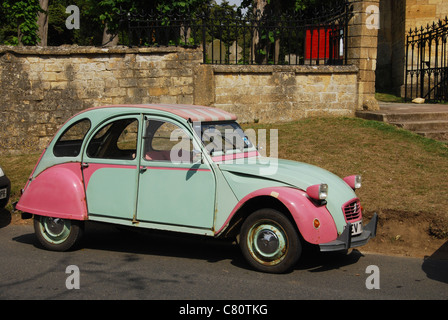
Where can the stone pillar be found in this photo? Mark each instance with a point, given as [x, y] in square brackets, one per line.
[362, 49]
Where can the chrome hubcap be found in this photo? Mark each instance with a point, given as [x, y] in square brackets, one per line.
[267, 242]
[55, 230]
[54, 226]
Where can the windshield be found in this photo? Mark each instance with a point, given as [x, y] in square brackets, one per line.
[223, 138]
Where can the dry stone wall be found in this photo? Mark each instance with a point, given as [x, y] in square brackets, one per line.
[42, 87]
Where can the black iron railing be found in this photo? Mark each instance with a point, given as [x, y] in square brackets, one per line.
[427, 62]
[317, 36]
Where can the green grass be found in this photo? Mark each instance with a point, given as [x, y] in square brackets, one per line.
[402, 172]
[388, 97]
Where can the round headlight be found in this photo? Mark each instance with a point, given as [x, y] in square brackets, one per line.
[318, 191]
[353, 181]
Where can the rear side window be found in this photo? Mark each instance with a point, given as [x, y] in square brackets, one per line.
[70, 142]
[116, 140]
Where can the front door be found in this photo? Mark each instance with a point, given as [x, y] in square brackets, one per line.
[175, 188]
[110, 164]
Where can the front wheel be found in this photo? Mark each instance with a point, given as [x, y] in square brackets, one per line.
[57, 234]
[270, 242]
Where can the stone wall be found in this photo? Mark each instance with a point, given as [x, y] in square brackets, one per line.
[42, 87]
[284, 93]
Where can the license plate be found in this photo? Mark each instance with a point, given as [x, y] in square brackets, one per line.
[356, 228]
[3, 193]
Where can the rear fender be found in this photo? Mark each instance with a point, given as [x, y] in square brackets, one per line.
[303, 212]
[56, 192]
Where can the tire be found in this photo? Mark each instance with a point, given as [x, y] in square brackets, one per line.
[58, 234]
[270, 242]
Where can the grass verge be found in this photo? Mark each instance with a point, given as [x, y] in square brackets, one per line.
[404, 174]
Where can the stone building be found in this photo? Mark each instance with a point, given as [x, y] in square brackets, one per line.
[398, 17]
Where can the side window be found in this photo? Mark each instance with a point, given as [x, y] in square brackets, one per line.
[115, 140]
[165, 141]
[70, 142]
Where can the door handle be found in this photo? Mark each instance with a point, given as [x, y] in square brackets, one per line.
[84, 165]
[143, 169]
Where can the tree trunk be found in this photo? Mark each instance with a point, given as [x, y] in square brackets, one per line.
[256, 46]
[109, 39]
[42, 22]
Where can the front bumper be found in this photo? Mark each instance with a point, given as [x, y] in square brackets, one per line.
[346, 241]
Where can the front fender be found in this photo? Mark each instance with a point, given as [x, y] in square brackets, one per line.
[56, 192]
[302, 210]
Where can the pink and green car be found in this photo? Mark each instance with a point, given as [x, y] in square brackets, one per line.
[188, 169]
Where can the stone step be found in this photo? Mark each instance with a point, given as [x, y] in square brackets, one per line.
[441, 136]
[419, 116]
[401, 117]
[428, 120]
[423, 125]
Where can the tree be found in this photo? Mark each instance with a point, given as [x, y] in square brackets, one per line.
[42, 22]
[23, 14]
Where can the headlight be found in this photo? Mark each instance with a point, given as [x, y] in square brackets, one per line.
[318, 191]
[1, 172]
[353, 181]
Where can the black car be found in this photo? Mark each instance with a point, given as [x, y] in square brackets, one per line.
[5, 189]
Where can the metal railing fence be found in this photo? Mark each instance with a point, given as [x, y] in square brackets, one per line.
[311, 37]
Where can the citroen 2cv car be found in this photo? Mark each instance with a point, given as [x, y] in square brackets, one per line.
[187, 169]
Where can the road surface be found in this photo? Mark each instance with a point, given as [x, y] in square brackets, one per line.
[116, 264]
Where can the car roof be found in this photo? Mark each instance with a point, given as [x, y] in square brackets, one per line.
[193, 113]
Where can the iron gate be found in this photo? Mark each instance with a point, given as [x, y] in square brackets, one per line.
[427, 62]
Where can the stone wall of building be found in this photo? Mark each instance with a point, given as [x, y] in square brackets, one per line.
[42, 87]
[398, 17]
[422, 12]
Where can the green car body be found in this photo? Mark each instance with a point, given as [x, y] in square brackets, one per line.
[173, 167]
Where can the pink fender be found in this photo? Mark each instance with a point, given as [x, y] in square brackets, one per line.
[56, 192]
[302, 210]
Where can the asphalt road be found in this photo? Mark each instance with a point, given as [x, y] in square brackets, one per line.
[116, 264]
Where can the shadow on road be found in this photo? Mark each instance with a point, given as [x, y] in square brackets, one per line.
[107, 237]
[133, 242]
[436, 265]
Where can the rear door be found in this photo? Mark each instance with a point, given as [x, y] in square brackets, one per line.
[110, 164]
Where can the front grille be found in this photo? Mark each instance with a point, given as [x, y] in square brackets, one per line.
[352, 210]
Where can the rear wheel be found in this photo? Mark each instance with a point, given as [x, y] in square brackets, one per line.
[270, 242]
[57, 234]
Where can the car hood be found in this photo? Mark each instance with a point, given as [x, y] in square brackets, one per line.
[264, 172]
[296, 174]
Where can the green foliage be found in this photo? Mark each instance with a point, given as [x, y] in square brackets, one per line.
[18, 18]
[23, 14]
